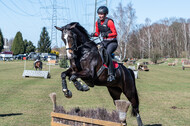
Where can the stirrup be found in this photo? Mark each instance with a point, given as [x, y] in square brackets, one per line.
[111, 78]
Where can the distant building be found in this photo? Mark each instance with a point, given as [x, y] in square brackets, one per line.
[6, 45]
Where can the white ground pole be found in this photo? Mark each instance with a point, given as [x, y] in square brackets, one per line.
[25, 65]
[49, 68]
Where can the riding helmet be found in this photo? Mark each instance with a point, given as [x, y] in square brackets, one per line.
[102, 10]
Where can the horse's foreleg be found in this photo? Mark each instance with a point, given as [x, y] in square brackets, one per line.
[65, 90]
[84, 73]
[80, 87]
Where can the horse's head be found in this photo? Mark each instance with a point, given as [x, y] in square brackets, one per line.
[75, 36]
[70, 39]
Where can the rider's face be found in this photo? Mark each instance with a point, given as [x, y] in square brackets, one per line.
[102, 16]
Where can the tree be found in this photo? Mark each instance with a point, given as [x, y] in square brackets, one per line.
[1, 41]
[44, 44]
[124, 20]
[29, 47]
[63, 63]
[18, 44]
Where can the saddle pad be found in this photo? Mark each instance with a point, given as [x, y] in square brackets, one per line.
[115, 64]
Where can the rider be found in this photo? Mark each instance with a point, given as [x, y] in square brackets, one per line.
[106, 28]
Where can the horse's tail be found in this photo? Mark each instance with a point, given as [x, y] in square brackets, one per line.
[135, 109]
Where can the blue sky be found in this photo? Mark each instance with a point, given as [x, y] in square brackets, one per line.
[28, 16]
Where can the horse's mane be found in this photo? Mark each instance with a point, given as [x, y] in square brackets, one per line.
[81, 29]
[84, 33]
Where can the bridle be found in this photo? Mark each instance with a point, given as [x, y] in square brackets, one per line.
[74, 45]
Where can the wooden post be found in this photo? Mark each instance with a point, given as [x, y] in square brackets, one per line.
[53, 99]
[122, 107]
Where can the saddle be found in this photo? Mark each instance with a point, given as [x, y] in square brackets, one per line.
[104, 56]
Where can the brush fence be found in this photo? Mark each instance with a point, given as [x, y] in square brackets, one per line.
[121, 106]
[83, 120]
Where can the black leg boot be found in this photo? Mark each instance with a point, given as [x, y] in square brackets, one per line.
[111, 71]
[80, 87]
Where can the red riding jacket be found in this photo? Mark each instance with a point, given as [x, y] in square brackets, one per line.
[110, 25]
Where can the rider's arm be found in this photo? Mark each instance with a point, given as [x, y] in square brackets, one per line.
[97, 33]
[112, 28]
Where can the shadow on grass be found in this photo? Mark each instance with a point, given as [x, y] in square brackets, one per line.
[153, 125]
[10, 114]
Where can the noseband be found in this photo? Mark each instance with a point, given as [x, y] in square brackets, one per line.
[74, 46]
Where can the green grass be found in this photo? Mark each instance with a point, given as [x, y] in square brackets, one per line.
[160, 89]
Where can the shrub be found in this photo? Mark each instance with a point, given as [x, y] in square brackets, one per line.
[63, 63]
[155, 56]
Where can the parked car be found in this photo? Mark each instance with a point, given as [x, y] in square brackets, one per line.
[19, 57]
[32, 56]
[44, 56]
[1, 58]
[51, 56]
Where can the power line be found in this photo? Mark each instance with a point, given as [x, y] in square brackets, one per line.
[54, 19]
[12, 9]
[23, 10]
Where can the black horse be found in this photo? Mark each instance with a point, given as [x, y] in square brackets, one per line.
[86, 63]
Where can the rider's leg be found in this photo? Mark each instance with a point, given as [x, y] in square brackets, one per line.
[111, 71]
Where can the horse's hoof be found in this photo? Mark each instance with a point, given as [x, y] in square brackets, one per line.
[67, 93]
[85, 87]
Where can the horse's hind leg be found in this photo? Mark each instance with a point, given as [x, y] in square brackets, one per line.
[115, 93]
[132, 95]
[133, 98]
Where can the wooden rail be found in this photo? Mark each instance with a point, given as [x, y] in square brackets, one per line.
[83, 120]
[121, 106]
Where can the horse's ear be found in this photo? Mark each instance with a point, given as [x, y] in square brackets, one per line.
[58, 28]
[73, 26]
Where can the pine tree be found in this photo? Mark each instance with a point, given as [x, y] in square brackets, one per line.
[25, 45]
[1, 41]
[30, 47]
[18, 44]
[44, 44]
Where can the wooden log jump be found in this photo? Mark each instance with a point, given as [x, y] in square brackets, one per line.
[121, 105]
[185, 64]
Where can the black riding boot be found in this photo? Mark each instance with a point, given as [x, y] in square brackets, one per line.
[111, 70]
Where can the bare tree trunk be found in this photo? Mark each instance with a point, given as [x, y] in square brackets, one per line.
[124, 18]
[189, 40]
[185, 39]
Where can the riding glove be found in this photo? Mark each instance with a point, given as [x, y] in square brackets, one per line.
[92, 35]
[104, 35]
